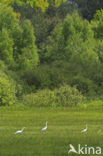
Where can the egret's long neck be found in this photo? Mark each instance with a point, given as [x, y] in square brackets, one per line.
[46, 124]
[22, 129]
[86, 127]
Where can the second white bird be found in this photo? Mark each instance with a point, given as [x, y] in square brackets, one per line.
[45, 128]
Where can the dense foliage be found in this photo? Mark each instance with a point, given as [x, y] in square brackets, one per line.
[63, 96]
[17, 41]
[46, 44]
[43, 4]
[7, 90]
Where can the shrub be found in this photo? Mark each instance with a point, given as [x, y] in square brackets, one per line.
[41, 98]
[7, 91]
[67, 96]
[3, 66]
[63, 96]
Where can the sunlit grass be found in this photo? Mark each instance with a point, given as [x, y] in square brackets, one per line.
[64, 127]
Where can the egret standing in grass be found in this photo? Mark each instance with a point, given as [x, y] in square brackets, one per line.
[20, 131]
[84, 130]
[45, 128]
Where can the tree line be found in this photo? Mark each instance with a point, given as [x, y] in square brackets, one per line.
[47, 48]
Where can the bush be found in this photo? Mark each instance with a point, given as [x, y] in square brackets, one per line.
[7, 91]
[67, 96]
[64, 96]
[41, 98]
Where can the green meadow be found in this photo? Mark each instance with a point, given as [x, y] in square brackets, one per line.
[64, 128]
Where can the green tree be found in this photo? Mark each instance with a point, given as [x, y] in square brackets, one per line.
[17, 42]
[7, 90]
[87, 8]
[8, 18]
[8, 24]
[28, 58]
[6, 47]
[73, 41]
[43, 4]
[97, 24]
[74, 38]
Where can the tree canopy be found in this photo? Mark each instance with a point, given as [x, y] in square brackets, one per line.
[47, 44]
[43, 4]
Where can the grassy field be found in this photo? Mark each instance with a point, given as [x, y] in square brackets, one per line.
[64, 127]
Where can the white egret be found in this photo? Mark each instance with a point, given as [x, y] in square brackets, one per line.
[84, 130]
[72, 149]
[44, 129]
[20, 131]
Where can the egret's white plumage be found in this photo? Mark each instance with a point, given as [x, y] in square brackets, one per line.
[84, 130]
[72, 149]
[20, 131]
[45, 128]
